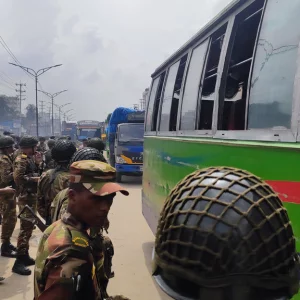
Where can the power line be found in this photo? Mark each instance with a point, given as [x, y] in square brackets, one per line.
[5, 84]
[1, 76]
[7, 76]
[5, 46]
[8, 50]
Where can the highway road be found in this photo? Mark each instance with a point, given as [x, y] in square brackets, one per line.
[133, 242]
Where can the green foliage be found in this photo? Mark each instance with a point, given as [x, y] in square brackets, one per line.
[108, 118]
[6, 112]
[31, 112]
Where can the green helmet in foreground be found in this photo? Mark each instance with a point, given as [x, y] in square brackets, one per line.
[224, 234]
[96, 143]
[28, 141]
[6, 142]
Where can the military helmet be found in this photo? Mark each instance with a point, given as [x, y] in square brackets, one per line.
[63, 151]
[6, 142]
[87, 154]
[51, 143]
[28, 141]
[96, 143]
[223, 233]
[42, 139]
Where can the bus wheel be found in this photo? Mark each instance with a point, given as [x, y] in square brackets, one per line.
[119, 177]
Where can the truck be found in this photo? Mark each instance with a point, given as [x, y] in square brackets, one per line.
[125, 139]
[69, 129]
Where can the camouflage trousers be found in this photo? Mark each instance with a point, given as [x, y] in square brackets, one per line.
[26, 227]
[1, 206]
[9, 217]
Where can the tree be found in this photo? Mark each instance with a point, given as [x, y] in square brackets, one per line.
[7, 113]
[29, 118]
[31, 112]
[108, 118]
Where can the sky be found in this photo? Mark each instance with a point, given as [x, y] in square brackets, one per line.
[108, 48]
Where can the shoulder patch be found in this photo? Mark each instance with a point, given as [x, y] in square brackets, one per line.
[23, 155]
[80, 242]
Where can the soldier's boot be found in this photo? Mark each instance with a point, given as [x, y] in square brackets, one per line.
[2, 278]
[8, 250]
[28, 261]
[12, 247]
[19, 266]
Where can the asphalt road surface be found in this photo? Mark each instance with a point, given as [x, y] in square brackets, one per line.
[133, 242]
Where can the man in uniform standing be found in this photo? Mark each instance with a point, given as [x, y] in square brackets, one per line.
[49, 162]
[42, 147]
[26, 178]
[66, 261]
[7, 191]
[55, 180]
[8, 201]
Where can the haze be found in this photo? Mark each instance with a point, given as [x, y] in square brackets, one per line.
[108, 48]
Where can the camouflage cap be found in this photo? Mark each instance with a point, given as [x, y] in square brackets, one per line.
[96, 176]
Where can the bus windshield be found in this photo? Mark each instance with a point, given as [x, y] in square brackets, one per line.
[131, 132]
[89, 133]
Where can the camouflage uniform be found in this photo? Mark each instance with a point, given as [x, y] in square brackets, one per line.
[66, 250]
[24, 169]
[50, 184]
[8, 201]
[42, 147]
[49, 161]
[59, 205]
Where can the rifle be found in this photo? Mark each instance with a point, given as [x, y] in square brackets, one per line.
[34, 219]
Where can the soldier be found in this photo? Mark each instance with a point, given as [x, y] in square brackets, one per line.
[7, 191]
[55, 180]
[96, 143]
[223, 234]
[83, 145]
[59, 207]
[49, 162]
[8, 201]
[65, 259]
[59, 204]
[26, 178]
[42, 147]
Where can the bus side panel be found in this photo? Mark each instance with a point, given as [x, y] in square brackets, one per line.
[168, 161]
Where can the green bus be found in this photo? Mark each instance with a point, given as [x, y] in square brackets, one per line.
[230, 96]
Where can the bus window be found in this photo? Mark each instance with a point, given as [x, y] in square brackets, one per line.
[169, 108]
[176, 94]
[191, 90]
[272, 85]
[157, 101]
[210, 79]
[151, 104]
[167, 99]
[243, 37]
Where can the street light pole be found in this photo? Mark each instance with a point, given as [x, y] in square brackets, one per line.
[52, 96]
[36, 74]
[59, 113]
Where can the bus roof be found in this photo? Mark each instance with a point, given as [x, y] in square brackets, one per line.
[227, 11]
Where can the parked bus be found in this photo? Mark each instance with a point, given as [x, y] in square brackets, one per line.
[229, 97]
[89, 129]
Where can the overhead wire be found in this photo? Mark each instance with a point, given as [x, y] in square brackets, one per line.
[5, 46]
[9, 83]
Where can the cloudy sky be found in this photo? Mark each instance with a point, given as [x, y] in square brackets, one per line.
[108, 48]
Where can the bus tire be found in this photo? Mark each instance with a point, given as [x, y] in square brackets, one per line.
[119, 177]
